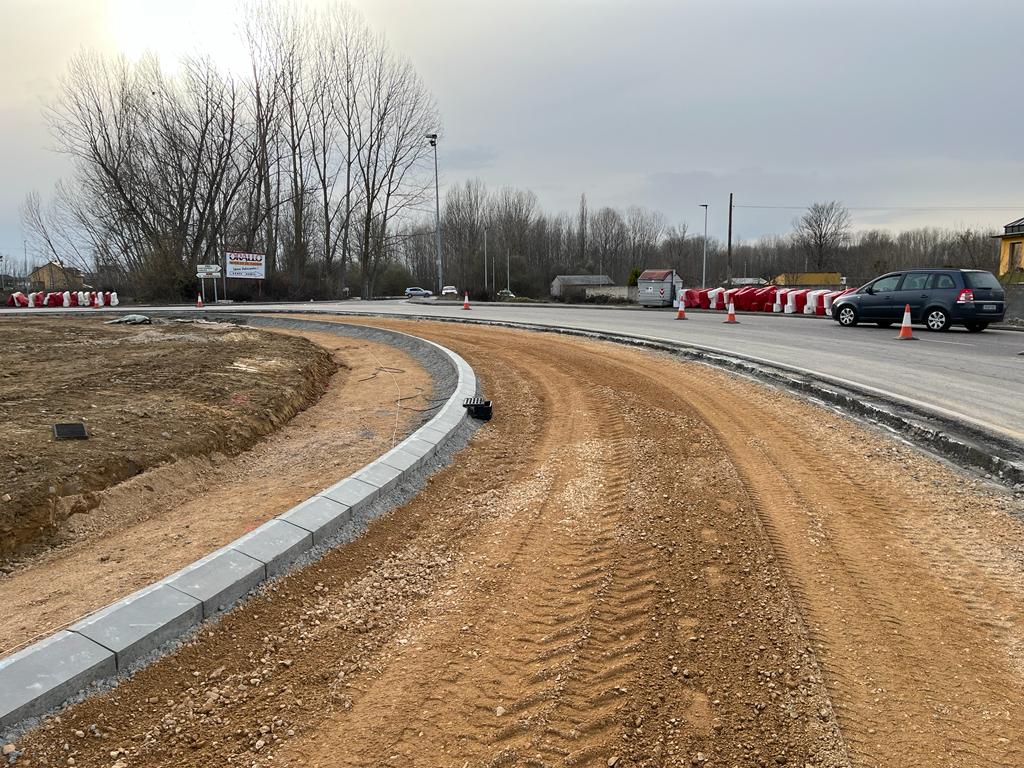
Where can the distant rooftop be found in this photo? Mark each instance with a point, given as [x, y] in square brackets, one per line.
[655, 274]
[584, 279]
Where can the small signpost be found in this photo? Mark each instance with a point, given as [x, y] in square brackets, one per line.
[212, 271]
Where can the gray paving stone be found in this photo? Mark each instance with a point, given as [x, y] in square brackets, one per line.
[277, 544]
[44, 675]
[433, 435]
[219, 579]
[401, 459]
[141, 622]
[319, 515]
[417, 447]
[353, 493]
[383, 476]
[449, 419]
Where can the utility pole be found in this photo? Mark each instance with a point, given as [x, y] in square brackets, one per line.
[432, 137]
[728, 253]
[704, 269]
[508, 269]
[485, 257]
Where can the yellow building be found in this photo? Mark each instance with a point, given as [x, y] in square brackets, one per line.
[1011, 249]
[53, 277]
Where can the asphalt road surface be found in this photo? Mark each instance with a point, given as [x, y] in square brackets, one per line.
[977, 377]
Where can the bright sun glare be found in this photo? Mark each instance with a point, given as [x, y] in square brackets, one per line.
[177, 30]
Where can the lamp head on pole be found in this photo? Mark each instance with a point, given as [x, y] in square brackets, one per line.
[432, 137]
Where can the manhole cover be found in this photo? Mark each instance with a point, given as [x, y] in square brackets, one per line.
[74, 431]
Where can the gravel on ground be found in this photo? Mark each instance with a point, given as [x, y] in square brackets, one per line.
[638, 562]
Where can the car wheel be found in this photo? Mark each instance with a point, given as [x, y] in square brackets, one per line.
[884, 323]
[976, 327]
[847, 316]
[937, 319]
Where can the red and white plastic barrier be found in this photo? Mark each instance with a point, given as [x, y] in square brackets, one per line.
[795, 301]
[61, 299]
[814, 302]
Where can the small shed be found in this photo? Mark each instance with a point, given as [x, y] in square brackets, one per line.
[55, 277]
[569, 287]
[657, 287]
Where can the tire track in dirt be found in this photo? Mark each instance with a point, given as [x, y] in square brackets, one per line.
[548, 694]
[549, 678]
[901, 614]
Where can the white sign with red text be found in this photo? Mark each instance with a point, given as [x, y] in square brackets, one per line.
[249, 266]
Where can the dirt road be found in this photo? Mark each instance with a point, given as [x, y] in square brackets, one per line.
[638, 562]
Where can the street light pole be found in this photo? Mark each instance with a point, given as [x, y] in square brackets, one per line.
[485, 258]
[508, 270]
[432, 137]
[704, 270]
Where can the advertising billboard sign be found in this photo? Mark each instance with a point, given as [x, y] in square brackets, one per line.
[247, 266]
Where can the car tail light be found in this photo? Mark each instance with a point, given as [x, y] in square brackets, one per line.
[966, 295]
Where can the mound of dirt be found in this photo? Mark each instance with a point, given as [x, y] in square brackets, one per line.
[147, 395]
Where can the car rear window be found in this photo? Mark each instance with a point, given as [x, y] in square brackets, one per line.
[981, 280]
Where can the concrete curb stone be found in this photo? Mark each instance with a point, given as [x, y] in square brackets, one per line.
[43, 675]
[319, 515]
[277, 544]
[218, 579]
[140, 623]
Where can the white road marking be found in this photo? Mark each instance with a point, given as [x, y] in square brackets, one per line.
[958, 343]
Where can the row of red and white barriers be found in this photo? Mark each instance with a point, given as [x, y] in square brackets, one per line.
[63, 299]
[769, 298]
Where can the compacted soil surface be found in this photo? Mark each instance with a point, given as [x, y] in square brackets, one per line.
[149, 525]
[147, 394]
[637, 562]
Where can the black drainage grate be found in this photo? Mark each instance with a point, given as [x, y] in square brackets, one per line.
[478, 408]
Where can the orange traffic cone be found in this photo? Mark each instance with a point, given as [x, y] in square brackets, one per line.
[681, 314]
[199, 301]
[465, 301]
[905, 332]
[731, 316]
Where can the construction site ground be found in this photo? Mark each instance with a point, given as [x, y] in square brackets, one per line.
[179, 403]
[638, 562]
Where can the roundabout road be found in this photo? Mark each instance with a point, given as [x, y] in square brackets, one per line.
[977, 377]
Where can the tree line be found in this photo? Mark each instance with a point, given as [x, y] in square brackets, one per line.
[527, 247]
[311, 158]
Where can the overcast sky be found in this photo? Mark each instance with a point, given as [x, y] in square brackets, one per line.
[895, 104]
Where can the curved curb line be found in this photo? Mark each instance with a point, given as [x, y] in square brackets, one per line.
[966, 442]
[118, 637]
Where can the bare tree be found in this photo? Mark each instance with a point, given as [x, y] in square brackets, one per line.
[395, 112]
[609, 240]
[822, 231]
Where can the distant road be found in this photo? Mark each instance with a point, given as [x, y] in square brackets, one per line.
[979, 377]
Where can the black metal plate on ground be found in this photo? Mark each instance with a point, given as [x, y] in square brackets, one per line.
[75, 431]
[478, 408]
